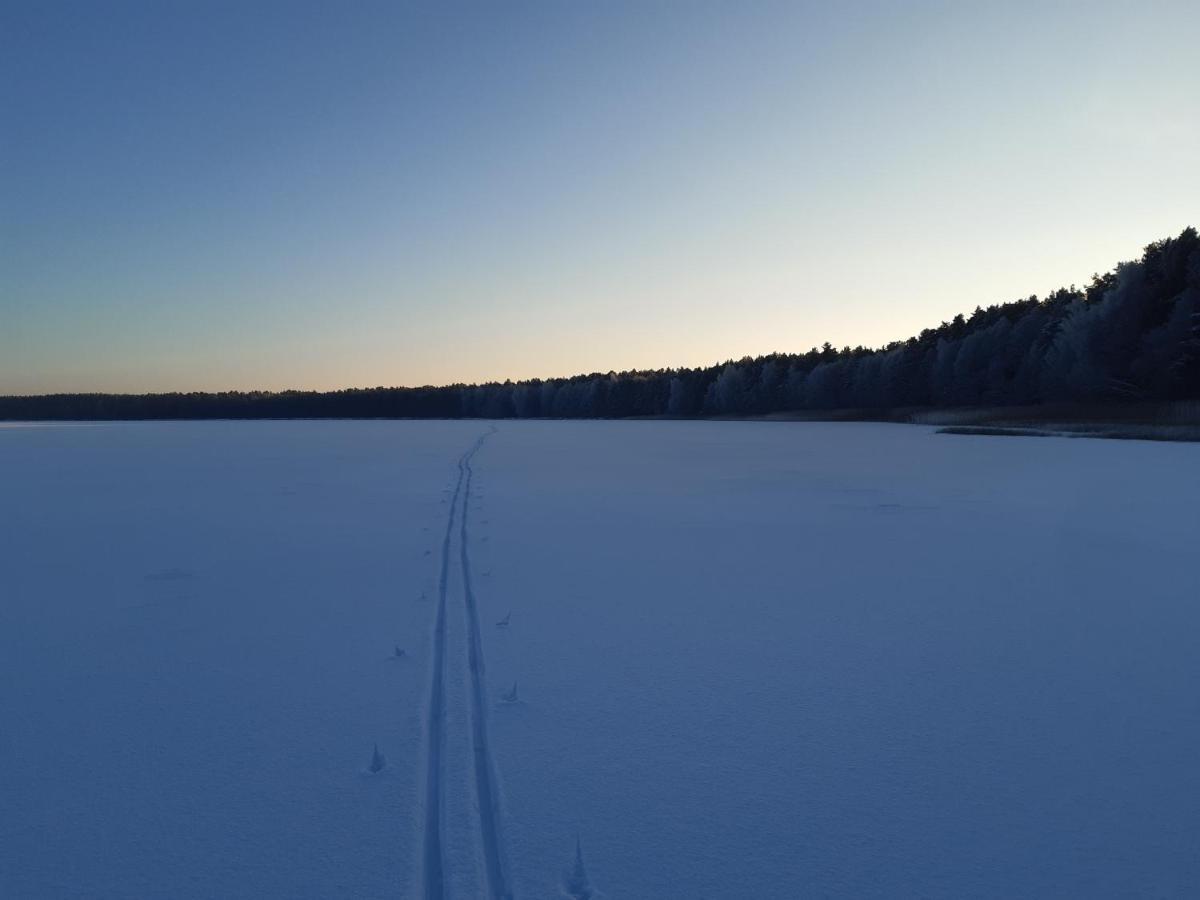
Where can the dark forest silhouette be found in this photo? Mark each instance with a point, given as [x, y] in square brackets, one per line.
[1132, 334]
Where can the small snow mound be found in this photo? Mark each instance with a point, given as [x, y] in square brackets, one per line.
[576, 883]
[378, 762]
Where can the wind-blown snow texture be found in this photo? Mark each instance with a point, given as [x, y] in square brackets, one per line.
[755, 660]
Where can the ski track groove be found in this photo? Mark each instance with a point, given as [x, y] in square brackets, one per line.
[432, 860]
[433, 875]
[485, 786]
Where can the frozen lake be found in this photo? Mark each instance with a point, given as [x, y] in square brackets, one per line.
[767, 660]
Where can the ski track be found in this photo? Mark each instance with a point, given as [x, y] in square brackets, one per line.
[485, 787]
[433, 857]
[432, 862]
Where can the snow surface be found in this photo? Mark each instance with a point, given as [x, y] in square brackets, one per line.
[752, 660]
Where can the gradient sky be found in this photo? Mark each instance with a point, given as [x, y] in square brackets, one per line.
[268, 195]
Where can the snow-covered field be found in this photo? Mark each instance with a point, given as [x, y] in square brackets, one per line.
[751, 660]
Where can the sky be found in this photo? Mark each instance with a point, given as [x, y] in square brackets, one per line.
[263, 195]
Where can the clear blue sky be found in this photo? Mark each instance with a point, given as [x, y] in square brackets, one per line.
[206, 195]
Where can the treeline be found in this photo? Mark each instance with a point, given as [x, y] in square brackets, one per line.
[1133, 333]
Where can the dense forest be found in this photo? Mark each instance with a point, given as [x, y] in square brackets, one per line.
[1133, 334]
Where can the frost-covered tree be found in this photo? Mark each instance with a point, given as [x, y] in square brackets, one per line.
[727, 394]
